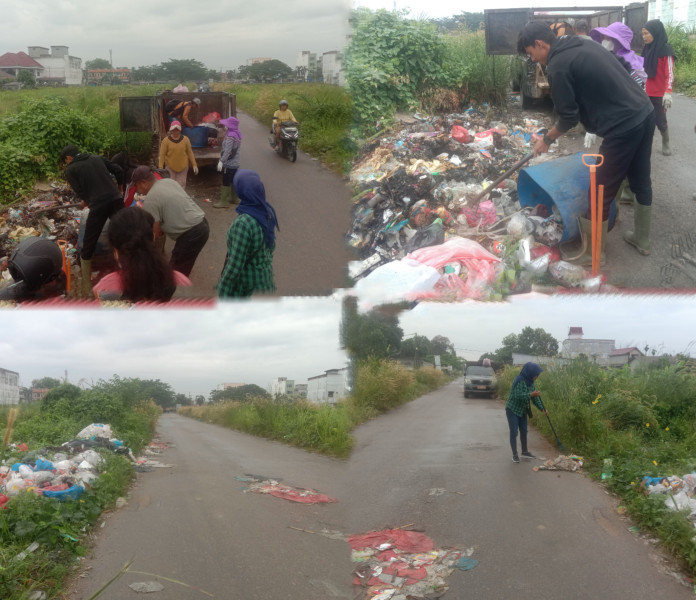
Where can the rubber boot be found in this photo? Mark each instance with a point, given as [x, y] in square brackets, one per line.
[666, 151]
[640, 237]
[625, 195]
[86, 284]
[225, 197]
[582, 254]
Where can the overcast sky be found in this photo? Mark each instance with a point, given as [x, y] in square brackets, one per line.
[446, 8]
[255, 342]
[221, 34]
[192, 350]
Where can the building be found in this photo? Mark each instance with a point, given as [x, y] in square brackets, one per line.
[306, 65]
[38, 393]
[11, 63]
[254, 61]
[575, 346]
[301, 390]
[673, 11]
[9, 387]
[59, 68]
[329, 388]
[97, 76]
[282, 386]
[226, 386]
[332, 68]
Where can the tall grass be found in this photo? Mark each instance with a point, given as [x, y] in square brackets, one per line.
[683, 41]
[645, 421]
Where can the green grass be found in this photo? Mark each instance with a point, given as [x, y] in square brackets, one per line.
[645, 421]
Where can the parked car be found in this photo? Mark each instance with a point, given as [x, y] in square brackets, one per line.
[480, 380]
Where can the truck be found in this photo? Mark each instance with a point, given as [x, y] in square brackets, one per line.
[147, 114]
[502, 27]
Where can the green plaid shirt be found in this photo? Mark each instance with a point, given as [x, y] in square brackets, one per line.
[249, 263]
[519, 398]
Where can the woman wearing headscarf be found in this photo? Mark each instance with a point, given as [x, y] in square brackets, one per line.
[250, 241]
[229, 161]
[658, 58]
[522, 393]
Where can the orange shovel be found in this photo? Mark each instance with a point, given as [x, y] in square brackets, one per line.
[596, 210]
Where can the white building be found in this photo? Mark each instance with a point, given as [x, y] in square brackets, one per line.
[59, 67]
[9, 387]
[329, 388]
[307, 62]
[227, 386]
[332, 68]
[282, 386]
[674, 11]
[301, 390]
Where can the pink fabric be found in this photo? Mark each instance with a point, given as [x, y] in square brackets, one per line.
[483, 214]
[454, 249]
[113, 282]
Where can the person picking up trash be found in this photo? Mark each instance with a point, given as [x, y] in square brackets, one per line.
[518, 406]
[176, 215]
[229, 161]
[250, 241]
[658, 57]
[282, 114]
[182, 111]
[90, 177]
[588, 85]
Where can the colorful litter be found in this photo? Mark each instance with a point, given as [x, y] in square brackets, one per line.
[261, 485]
[399, 564]
[571, 463]
[680, 492]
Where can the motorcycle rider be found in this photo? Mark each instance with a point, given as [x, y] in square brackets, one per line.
[282, 114]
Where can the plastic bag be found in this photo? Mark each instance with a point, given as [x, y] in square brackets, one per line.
[95, 430]
[456, 249]
[395, 281]
[483, 214]
[432, 235]
[460, 134]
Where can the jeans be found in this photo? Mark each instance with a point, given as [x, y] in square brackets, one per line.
[517, 423]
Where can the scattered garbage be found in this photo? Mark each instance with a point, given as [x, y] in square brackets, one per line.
[430, 183]
[263, 485]
[562, 462]
[680, 492]
[608, 468]
[146, 587]
[400, 564]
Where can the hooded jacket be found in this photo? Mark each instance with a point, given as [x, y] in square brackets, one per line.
[90, 178]
[588, 85]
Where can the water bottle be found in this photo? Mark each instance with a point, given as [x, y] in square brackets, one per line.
[607, 469]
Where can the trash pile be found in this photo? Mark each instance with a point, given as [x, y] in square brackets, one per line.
[62, 472]
[571, 463]
[398, 564]
[680, 492]
[422, 228]
[262, 485]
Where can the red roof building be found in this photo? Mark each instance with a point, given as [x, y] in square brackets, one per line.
[13, 62]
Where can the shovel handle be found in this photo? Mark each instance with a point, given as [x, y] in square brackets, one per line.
[599, 160]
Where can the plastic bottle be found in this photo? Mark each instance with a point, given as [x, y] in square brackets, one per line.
[607, 469]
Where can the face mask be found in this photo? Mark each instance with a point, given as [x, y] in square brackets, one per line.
[608, 44]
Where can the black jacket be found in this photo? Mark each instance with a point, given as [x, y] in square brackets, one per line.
[90, 178]
[589, 85]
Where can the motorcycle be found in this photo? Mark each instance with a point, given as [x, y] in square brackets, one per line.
[289, 134]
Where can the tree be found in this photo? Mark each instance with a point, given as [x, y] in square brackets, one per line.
[268, 71]
[243, 393]
[375, 334]
[464, 20]
[185, 70]
[45, 383]
[442, 345]
[536, 342]
[98, 63]
[26, 77]
[134, 391]
[200, 400]
[182, 399]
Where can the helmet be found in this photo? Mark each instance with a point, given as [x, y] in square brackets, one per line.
[36, 261]
[283, 102]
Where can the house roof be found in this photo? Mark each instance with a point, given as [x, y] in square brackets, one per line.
[575, 331]
[18, 59]
[620, 351]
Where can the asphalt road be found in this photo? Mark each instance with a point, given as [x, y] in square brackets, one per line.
[537, 535]
[312, 205]
[673, 215]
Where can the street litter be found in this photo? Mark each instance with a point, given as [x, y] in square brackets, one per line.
[562, 462]
[680, 492]
[445, 180]
[146, 586]
[261, 485]
[400, 564]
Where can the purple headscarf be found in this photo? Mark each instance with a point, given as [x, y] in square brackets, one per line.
[622, 36]
[232, 125]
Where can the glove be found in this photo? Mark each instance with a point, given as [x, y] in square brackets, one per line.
[219, 167]
[590, 138]
[667, 101]
[195, 170]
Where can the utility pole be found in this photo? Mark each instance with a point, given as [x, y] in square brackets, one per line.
[111, 58]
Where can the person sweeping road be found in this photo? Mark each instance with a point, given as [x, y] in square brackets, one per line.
[518, 405]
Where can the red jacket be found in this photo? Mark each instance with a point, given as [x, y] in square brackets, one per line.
[661, 84]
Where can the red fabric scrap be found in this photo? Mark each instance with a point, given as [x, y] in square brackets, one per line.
[211, 117]
[22, 447]
[411, 542]
[460, 134]
[297, 495]
[3, 501]
[51, 488]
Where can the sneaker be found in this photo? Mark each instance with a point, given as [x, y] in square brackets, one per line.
[528, 455]
[515, 459]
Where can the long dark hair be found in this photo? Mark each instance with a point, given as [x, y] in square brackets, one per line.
[145, 273]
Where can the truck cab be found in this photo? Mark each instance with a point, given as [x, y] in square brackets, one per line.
[147, 113]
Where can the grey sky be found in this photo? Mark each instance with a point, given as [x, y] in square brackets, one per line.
[192, 350]
[222, 34]
[667, 323]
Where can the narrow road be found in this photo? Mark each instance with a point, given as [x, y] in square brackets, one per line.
[194, 524]
[673, 214]
[312, 205]
[537, 535]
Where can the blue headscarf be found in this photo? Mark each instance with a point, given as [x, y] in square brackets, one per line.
[252, 197]
[527, 374]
